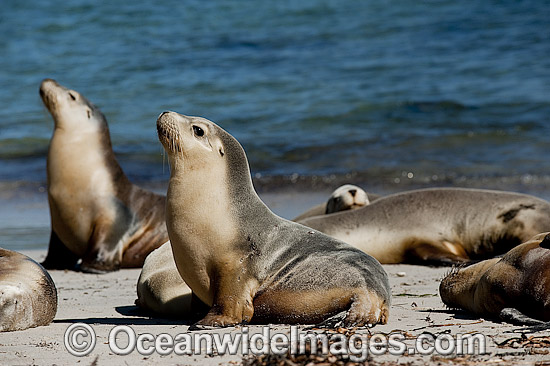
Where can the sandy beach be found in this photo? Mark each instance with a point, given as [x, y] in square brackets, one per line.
[388, 96]
[106, 301]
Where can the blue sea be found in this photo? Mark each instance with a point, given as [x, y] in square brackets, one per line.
[390, 95]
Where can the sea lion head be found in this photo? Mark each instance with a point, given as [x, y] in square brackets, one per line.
[460, 289]
[189, 137]
[346, 197]
[69, 109]
[195, 143]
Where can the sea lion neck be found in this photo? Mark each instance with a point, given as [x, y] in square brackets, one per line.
[90, 144]
[244, 198]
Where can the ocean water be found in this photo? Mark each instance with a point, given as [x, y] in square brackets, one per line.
[391, 95]
[437, 89]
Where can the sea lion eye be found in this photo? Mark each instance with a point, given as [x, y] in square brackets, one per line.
[72, 96]
[89, 113]
[198, 131]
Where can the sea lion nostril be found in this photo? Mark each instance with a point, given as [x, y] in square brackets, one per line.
[353, 192]
[161, 130]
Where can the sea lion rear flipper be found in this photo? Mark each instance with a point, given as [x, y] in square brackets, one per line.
[333, 322]
[59, 256]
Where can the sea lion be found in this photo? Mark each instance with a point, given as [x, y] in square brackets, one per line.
[346, 197]
[519, 280]
[97, 214]
[239, 257]
[28, 297]
[160, 288]
[438, 226]
[162, 291]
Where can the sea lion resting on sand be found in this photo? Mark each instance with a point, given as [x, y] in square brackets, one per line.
[244, 261]
[28, 297]
[439, 225]
[160, 288]
[346, 197]
[97, 214]
[519, 280]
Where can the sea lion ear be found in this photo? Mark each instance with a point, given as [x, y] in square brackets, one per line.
[220, 150]
[545, 243]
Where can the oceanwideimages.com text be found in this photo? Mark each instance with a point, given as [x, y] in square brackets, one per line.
[123, 340]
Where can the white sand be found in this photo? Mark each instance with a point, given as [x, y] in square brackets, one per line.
[105, 301]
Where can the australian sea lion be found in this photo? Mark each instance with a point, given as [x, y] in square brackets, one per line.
[240, 258]
[346, 197]
[160, 288]
[97, 214]
[28, 297]
[438, 226]
[162, 291]
[519, 280]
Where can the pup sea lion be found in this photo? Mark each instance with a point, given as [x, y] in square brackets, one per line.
[519, 280]
[439, 225]
[97, 214]
[240, 258]
[346, 197]
[28, 297]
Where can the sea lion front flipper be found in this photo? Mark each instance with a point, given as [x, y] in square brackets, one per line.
[103, 253]
[59, 256]
[435, 255]
[215, 318]
[514, 316]
[233, 301]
